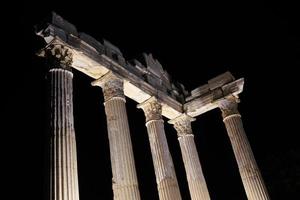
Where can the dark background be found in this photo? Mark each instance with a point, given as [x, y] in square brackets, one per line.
[194, 42]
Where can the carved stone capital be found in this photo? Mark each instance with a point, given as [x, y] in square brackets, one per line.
[58, 56]
[182, 124]
[229, 106]
[112, 86]
[152, 109]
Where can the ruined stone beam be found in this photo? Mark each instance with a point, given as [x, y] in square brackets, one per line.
[209, 98]
[91, 58]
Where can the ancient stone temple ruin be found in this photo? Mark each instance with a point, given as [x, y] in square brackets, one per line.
[147, 83]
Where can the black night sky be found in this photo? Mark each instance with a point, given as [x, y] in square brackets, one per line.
[194, 42]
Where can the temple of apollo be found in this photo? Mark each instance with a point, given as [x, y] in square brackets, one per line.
[151, 87]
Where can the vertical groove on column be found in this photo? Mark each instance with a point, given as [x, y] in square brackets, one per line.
[63, 165]
[250, 174]
[196, 181]
[125, 184]
[71, 138]
[75, 173]
[57, 160]
[167, 184]
[53, 156]
[59, 164]
[68, 135]
[74, 150]
[64, 137]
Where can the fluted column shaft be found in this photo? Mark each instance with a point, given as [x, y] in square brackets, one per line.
[63, 158]
[250, 174]
[125, 183]
[196, 181]
[64, 178]
[166, 180]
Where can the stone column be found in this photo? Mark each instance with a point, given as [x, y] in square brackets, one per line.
[166, 180]
[196, 181]
[125, 183]
[63, 158]
[250, 174]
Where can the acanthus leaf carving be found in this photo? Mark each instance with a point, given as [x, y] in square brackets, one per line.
[152, 109]
[229, 106]
[57, 55]
[182, 124]
[112, 86]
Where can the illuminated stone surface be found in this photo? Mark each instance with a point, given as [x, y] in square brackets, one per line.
[250, 174]
[197, 185]
[63, 157]
[125, 183]
[147, 83]
[166, 180]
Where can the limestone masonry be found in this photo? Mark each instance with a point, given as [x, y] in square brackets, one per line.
[147, 83]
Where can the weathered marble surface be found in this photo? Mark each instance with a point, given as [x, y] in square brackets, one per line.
[250, 174]
[142, 78]
[196, 181]
[124, 180]
[146, 82]
[166, 179]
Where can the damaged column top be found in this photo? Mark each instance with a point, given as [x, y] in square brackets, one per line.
[207, 96]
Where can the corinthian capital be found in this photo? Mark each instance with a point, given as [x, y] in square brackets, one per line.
[152, 109]
[58, 55]
[112, 86]
[182, 124]
[229, 106]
